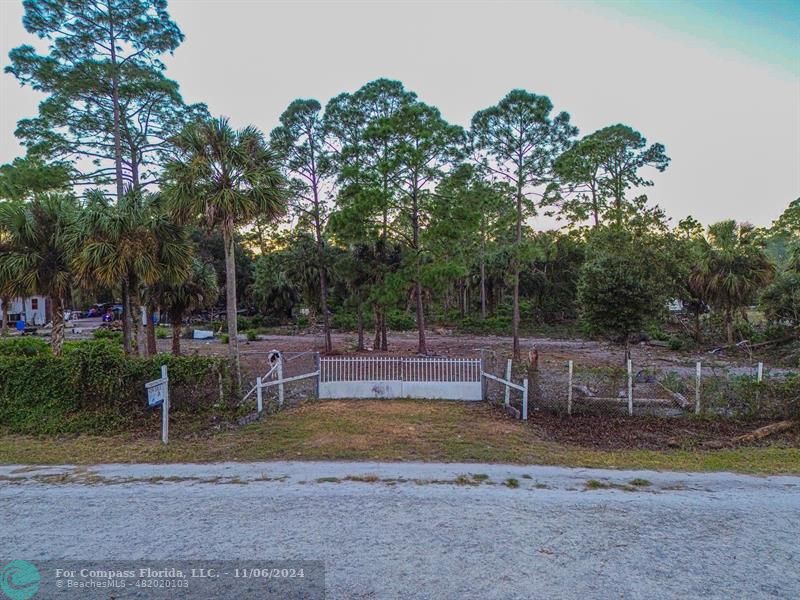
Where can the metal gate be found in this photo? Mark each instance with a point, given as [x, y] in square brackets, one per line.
[397, 377]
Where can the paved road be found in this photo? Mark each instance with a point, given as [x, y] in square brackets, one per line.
[420, 531]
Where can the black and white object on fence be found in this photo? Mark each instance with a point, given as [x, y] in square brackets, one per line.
[158, 395]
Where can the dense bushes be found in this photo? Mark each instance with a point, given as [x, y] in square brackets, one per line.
[24, 346]
[95, 388]
[744, 397]
[103, 333]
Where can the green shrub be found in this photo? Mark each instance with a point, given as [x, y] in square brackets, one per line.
[399, 320]
[224, 338]
[162, 332]
[24, 346]
[252, 336]
[104, 333]
[346, 321]
[675, 344]
[498, 324]
[302, 321]
[94, 388]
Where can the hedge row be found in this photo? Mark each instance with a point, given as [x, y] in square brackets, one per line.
[94, 388]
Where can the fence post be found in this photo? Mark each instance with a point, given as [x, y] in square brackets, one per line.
[259, 397]
[318, 364]
[484, 381]
[165, 406]
[507, 393]
[760, 372]
[569, 391]
[280, 381]
[524, 398]
[630, 387]
[697, 381]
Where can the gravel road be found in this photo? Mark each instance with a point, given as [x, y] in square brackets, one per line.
[426, 530]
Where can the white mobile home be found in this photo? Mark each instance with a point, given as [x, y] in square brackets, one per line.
[33, 309]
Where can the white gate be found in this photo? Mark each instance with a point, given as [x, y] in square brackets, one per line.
[397, 377]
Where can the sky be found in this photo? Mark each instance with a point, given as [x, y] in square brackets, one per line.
[718, 83]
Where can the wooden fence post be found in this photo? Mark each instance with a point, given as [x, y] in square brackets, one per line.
[259, 397]
[760, 372]
[630, 387]
[569, 391]
[697, 382]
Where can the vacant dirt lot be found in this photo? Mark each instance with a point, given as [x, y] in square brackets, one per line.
[443, 343]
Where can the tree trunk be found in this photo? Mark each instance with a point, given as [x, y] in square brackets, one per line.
[729, 326]
[57, 334]
[138, 326]
[177, 320]
[323, 297]
[4, 327]
[115, 104]
[516, 269]
[423, 345]
[360, 327]
[483, 287]
[698, 328]
[127, 317]
[230, 304]
[384, 337]
[377, 343]
[152, 348]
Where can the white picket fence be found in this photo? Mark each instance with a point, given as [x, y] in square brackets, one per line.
[399, 377]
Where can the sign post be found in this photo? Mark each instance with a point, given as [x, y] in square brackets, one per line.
[158, 394]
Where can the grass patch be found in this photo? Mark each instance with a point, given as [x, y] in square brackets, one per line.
[639, 482]
[480, 476]
[465, 480]
[594, 484]
[328, 480]
[363, 478]
[401, 430]
[511, 482]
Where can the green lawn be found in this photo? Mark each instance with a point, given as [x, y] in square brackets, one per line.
[385, 431]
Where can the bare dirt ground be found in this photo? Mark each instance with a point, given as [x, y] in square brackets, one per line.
[444, 342]
[550, 350]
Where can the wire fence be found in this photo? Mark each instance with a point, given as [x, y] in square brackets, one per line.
[729, 392]
[752, 392]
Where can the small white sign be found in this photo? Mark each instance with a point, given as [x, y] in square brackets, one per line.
[158, 395]
[156, 392]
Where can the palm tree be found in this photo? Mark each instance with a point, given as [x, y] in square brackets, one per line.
[199, 290]
[38, 252]
[732, 269]
[225, 178]
[133, 244]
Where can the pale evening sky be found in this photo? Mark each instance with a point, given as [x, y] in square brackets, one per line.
[718, 83]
